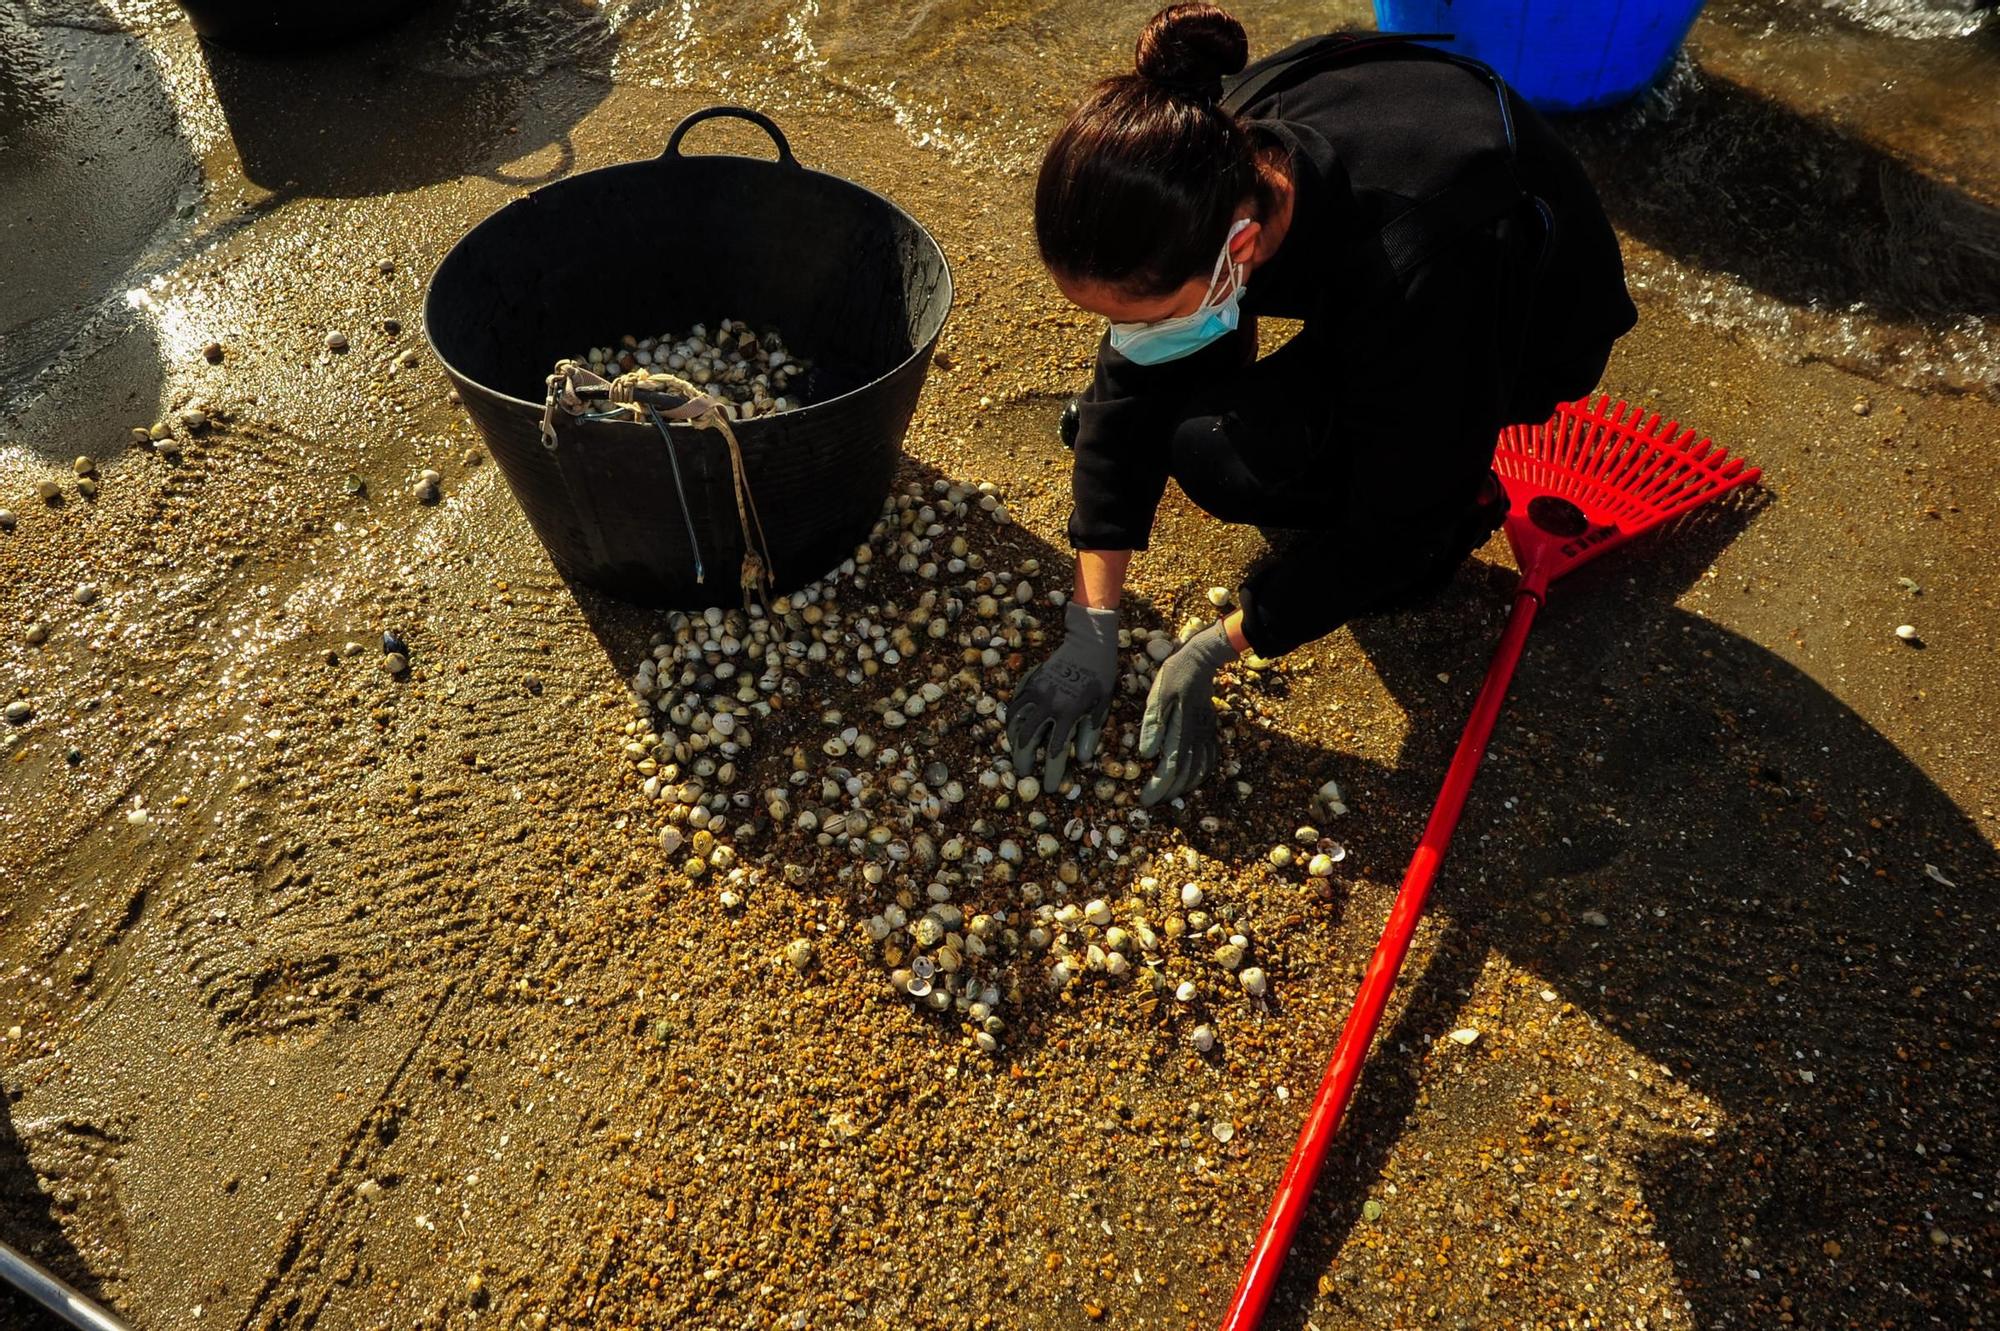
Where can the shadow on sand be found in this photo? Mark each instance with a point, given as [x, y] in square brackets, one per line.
[1760, 852]
[30, 1222]
[439, 97]
[1776, 940]
[1731, 181]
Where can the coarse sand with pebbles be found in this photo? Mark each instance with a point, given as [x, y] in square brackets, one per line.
[474, 993]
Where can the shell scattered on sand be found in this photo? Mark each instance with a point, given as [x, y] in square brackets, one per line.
[969, 882]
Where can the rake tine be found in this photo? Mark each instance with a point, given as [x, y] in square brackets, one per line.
[1688, 486]
[1662, 476]
[1634, 458]
[1569, 440]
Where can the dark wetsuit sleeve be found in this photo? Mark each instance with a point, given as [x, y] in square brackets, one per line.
[1125, 423]
[1119, 471]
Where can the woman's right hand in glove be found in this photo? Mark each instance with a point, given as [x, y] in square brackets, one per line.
[1066, 697]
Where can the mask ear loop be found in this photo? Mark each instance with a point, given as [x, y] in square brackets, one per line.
[1225, 263]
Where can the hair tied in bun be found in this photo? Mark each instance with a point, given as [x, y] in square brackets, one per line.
[1188, 49]
[1208, 94]
[1149, 171]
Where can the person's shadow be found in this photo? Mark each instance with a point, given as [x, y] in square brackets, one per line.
[1758, 852]
[1775, 936]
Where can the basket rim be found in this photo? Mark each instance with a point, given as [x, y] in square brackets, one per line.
[657, 163]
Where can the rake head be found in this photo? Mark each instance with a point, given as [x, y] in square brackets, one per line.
[1597, 474]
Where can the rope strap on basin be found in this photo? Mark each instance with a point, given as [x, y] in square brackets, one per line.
[573, 390]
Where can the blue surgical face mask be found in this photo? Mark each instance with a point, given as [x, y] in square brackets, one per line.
[1183, 334]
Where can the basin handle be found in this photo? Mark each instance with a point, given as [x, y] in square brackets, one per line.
[757, 118]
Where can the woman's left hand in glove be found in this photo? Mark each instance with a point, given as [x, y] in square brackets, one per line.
[1179, 725]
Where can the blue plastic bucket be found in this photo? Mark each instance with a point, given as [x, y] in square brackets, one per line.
[1562, 55]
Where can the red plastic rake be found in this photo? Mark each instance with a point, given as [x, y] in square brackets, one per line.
[1591, 478]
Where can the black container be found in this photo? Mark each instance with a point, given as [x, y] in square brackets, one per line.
[850, 280]
[281, 25]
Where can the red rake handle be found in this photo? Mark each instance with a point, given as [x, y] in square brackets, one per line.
[1267, 1257]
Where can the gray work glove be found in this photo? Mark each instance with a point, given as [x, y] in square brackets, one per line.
[1179, 726]
[1066, 697]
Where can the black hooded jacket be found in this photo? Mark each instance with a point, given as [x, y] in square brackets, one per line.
[1419, 370]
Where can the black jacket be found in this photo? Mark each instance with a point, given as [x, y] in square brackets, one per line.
[1419, 377]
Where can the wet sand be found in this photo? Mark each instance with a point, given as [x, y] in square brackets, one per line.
[394, 1013]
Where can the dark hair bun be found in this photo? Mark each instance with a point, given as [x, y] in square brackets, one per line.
[1188, 48]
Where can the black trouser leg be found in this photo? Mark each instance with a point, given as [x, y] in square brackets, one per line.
[1311, 582]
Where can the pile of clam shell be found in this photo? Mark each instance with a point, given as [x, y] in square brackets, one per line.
[752, 372]
[849, 740]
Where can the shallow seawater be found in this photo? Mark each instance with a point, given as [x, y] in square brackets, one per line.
[1820, 176]
[1913, 18]
[984, 82]
[1825, 178]
[95, 175]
